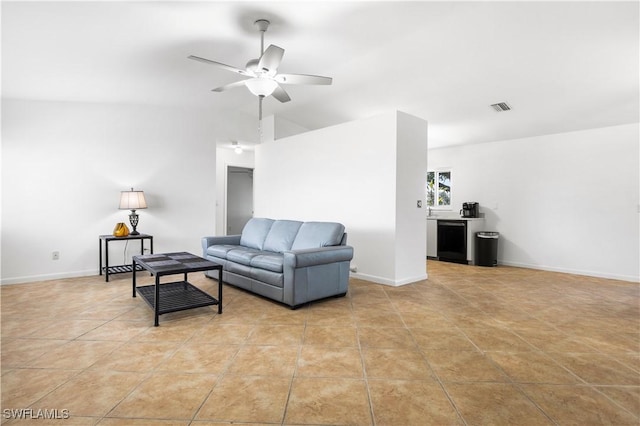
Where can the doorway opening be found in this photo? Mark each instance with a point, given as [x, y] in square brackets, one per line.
[239, 198]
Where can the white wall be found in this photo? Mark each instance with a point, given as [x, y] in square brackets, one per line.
[274, 127]
[565, 202]
[64, 165]
[284, 128]
[411, 175]
[349, 174]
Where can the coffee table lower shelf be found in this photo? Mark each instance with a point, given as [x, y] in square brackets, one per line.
[176, 296]
[120, 269]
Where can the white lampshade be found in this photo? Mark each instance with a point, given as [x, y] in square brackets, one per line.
[261, 86]
[132, 200]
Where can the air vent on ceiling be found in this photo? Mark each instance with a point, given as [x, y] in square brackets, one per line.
[501, 106]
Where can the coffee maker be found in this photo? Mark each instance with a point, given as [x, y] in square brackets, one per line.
[469, 209]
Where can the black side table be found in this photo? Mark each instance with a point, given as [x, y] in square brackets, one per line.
[119, 269]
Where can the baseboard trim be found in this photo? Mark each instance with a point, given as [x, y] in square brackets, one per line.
[386, 281]
[359, 275]
[46, 277]
[629, 278]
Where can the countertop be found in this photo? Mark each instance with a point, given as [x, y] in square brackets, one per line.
[454, 218]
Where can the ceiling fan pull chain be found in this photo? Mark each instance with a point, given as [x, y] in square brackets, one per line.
[260, 118]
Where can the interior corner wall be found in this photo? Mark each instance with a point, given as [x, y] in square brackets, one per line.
[345, 173]
[567, 202]
[411, 175]
[275, 127]
[285, 128]
[65, 163]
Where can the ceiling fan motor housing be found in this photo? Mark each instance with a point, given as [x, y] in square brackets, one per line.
[262, 24]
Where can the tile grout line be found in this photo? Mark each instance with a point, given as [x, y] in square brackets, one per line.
[545, 353]
[224, 371]
[293, 376]
[365, 377]
[510, 380]
[433, 372]
[553, 359]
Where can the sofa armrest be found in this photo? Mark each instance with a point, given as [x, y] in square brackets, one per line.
[317, 256]
[225, 239]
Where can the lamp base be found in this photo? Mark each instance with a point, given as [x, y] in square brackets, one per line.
[133, 219]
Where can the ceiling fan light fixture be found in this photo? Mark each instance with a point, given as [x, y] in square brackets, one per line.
[236, 148]
[261, 86]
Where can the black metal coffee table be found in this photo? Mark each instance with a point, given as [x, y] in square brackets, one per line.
[180, 295]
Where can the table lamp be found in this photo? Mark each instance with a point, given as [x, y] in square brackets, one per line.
[132, 200]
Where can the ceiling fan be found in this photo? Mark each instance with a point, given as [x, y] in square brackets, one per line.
[262, 74]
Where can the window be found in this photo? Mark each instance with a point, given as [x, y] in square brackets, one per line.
[439, 189]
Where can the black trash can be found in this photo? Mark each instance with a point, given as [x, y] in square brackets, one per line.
[487, 248]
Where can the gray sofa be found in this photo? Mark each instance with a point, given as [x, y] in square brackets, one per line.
[288, 261]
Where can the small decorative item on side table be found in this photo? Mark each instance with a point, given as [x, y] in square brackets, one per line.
[119, 269]
[121, 230]
[179, 295]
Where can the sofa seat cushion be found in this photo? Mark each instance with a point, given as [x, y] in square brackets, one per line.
[242, 255]
[275, 279]
[220, 251]
[271, 262]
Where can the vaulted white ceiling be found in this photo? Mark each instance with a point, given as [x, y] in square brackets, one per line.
[562, 66]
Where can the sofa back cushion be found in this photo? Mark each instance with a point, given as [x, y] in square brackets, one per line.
[318, 234]
[255, 232]
[281, 235]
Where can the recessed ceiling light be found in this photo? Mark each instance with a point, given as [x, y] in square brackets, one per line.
[501, 106]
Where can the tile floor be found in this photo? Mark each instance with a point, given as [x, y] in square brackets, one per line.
[471, 345]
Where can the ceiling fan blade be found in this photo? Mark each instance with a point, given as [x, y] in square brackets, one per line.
[270, 59]
[229, 86]
[221, 65]
[302, 79]
[281, 95]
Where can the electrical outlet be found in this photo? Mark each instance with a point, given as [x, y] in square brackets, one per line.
[419, 204]
[55, 255]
